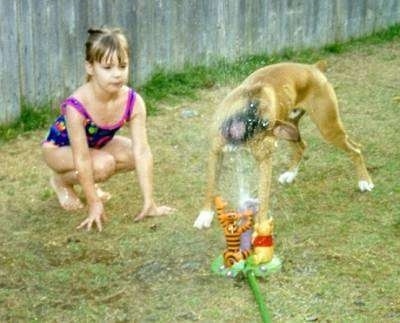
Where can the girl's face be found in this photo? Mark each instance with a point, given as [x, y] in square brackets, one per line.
[109, 74]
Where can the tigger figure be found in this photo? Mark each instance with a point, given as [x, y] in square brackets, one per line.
[232, 231]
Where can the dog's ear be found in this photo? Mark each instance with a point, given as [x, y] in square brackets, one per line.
[286, 130]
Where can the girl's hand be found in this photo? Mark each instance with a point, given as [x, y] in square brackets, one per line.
[96, 215]
[154, 210]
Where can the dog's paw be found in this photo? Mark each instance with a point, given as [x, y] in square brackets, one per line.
[204, 219]
[365, 186]
[287, 177]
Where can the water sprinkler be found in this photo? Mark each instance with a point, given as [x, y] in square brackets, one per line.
[257, 261]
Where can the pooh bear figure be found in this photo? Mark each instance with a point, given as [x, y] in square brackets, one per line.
[262, 241]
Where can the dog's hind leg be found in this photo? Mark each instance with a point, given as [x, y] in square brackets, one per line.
[297, 148]
[325, 114]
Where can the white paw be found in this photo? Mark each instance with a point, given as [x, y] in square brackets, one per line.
[204, 219]
[365, 186]
[287, 177]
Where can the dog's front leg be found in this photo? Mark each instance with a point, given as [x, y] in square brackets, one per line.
[263, 152]
[206, 215]
[264, 187]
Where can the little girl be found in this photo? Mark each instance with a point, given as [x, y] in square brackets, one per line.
[81, 146]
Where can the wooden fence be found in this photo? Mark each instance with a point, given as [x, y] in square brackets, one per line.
[41, 41]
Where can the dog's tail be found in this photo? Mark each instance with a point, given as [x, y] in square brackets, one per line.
[321, 65]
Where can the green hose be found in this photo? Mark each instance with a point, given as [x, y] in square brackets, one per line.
[251, 278]
[251, 271]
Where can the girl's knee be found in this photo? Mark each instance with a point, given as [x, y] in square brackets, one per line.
[126, 163]
[103, 168]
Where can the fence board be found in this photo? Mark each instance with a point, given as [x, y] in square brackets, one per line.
[42, 41]
[10, 100]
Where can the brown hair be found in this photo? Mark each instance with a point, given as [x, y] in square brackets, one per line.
[102, 43]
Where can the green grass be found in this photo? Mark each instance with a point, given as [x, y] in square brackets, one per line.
[339, 247]
[32, 118]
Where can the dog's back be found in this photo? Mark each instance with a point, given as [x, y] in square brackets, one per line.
[300, 77]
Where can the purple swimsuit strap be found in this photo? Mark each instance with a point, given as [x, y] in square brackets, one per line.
[130, 104]
[73, 102]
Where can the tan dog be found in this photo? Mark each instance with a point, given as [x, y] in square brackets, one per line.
[268, 105]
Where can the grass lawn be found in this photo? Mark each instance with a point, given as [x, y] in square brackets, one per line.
[339, 247]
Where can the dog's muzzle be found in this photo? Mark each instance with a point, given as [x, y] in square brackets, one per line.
[242, 126]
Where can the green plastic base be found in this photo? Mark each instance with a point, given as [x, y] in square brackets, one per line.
[244, 266]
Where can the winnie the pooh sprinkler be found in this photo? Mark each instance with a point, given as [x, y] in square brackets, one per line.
[258, 260]
[263, 242]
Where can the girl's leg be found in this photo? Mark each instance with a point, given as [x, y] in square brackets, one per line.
[121, 149]
[60, 160]
[103, 195]
[65, 192]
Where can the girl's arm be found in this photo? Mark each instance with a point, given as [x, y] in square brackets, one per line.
[83, 167]
[143, 159]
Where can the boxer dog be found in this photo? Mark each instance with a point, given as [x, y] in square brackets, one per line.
[268, 106]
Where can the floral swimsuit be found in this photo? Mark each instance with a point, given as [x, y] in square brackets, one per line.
[97, 136]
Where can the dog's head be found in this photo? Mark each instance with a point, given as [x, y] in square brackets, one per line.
[256, 113]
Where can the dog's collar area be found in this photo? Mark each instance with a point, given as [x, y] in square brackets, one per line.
[242, 126]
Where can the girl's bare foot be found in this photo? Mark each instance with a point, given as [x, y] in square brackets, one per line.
[65, 194]
[104, 196]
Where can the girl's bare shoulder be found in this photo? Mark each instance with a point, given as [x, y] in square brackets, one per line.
[82, 93]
